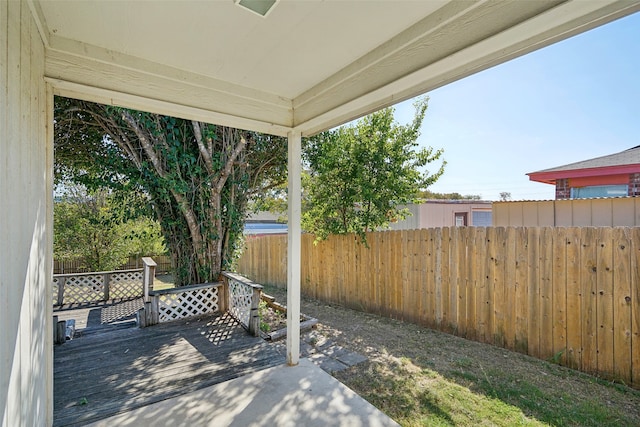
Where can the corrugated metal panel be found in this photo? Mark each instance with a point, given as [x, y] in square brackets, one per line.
[598, 212]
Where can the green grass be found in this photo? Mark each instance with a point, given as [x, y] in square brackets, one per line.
[470, 396]
[422, 397]
[163, 281]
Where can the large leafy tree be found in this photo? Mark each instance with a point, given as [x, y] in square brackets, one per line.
[197, 177]
[360, 175]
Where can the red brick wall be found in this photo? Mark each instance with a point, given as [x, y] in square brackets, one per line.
[634, 184]
[563, 191]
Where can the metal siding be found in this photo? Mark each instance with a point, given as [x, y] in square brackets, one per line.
[623, 212]
[563, 213]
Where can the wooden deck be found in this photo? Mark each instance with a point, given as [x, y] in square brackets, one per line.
[102, 374]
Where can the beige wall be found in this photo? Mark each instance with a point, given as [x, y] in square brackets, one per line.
[438, 214]
[26, 368]
[613, 212]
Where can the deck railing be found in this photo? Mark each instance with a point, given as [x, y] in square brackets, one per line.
[236, 295]
[84, 288]
[244, 300]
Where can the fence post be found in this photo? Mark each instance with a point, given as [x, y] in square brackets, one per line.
[106, 278]
[148, 275]
[254, 314]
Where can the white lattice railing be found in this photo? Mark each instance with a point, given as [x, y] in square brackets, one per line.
[99, 286]
[236, 295]
[186, 301]
[244, 299]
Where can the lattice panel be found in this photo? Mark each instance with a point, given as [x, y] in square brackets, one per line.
[82, 289]
[187, 304]
[127, 284]
[240, 296]
[56, 286]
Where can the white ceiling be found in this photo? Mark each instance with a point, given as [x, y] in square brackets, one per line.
[310, 64]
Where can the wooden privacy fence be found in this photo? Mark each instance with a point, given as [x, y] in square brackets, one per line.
[571, 294]
[80, 266]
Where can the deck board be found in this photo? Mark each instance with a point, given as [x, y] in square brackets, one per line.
[118, 370]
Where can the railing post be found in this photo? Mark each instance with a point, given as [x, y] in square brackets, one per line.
[223, 295]
[61, 283]
[148, 275]
[106, 278]
[254, 314]
[155, 310]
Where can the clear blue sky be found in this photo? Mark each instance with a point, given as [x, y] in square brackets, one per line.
[571, 101]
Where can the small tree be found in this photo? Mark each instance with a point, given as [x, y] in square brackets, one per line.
[505, 196]
[360, 175]
[102, 231]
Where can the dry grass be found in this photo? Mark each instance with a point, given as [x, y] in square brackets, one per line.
[421, 377]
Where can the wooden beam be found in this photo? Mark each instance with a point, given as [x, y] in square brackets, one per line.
[137, 84]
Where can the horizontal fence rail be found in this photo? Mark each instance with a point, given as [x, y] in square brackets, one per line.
[567, 294]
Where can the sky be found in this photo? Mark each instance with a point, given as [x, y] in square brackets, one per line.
[572, 101]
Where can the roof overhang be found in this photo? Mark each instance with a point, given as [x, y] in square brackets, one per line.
[551, 177]
[306, 66]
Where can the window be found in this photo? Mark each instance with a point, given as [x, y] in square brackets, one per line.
[461, 219]
[599, 191]
[481, 218]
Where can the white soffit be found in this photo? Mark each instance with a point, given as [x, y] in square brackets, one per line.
[308, 64]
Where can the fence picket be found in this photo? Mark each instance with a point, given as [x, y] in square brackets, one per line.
[534, 290]
[604, 299]
[573, 355]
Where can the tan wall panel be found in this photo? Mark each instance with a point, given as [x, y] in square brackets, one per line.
[616, 212]
[563, 213]
[624, 212]
[582, 213]
[602, 212]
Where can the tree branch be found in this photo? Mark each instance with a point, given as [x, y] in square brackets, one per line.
[206, 154]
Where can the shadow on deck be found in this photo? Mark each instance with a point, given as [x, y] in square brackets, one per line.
[111, 371]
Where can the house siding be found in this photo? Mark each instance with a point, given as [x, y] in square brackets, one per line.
[26, 385]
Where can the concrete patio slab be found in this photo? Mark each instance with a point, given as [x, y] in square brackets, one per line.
[303, 395]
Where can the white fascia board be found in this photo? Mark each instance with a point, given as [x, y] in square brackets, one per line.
[110, 97]
[129, 80]
[556, 24]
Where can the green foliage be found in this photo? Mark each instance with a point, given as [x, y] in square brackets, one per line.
[430, 195]
[100, 229]
[360, 175]
[195, 177]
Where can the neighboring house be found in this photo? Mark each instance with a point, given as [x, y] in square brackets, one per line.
[261, 223]
[446, 213]
[615, 175]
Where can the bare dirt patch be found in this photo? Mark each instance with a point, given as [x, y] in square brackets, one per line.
[423, 377]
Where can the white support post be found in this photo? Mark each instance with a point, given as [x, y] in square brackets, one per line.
[294, 246]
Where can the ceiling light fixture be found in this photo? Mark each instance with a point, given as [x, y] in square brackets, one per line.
[260, 7]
